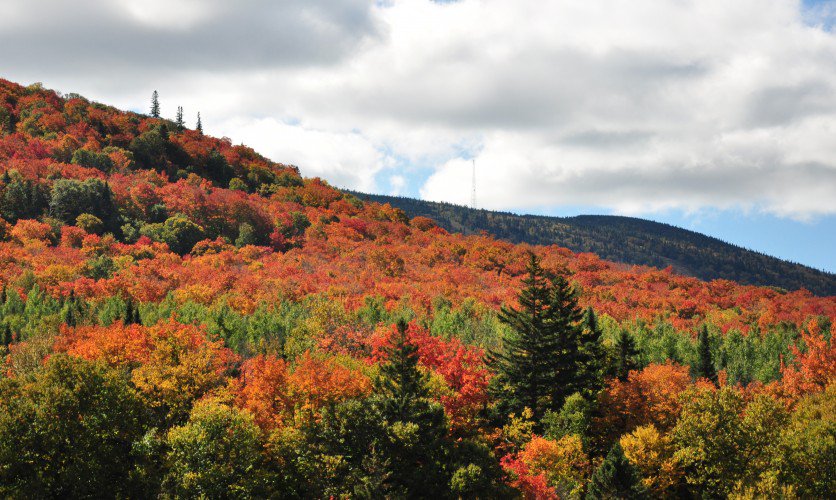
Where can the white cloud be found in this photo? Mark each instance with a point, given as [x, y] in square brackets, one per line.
[345, 159]
[397, 183]
[635, 106]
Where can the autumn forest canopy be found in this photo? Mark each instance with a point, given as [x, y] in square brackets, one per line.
[182, 317]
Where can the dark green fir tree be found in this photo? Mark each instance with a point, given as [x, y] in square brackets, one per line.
[417, 426]
[155, 105]
[181, 125]
[705, 362]
[625, 355]
[594, 355]
[538, 363]
[616, 478]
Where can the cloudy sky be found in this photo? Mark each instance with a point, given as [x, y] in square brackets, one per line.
[715, 115]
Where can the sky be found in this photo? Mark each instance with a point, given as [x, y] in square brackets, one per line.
[712, 115]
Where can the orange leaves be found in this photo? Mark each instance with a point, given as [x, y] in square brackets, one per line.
[262, 389]
[548, 469]
[32, 233]
[172, 364]
[116, 345]
[318, 381]
[274, 393]
[649, 396]
[814, 368]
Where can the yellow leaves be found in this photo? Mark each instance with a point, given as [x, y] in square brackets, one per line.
[58, 273]
[652, 453]
[173, 364]
[519, 429]
[199, 293]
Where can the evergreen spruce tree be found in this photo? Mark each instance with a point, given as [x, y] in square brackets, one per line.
[593, 352]
[6, 335]
[415, 452]
[71, 312]
[155, 105]
[705, 363]
[626, 353]
[199, 125]
[539, 362]
[131, 313]
[181, 125]
[616, 478]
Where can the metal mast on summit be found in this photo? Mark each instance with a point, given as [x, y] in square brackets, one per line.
[473, 187]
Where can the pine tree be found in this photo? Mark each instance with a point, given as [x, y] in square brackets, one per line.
[626, 353]
[616, 478]
[199, 126]
[540, 360]
[155, 105]
[705, 363]
[181, 125]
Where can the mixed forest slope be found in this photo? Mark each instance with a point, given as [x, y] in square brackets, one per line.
[625, 239]
[183, 317]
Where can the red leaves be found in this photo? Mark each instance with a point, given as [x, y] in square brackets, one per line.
[461, 367]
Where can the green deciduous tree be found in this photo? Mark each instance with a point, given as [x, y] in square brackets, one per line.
[807, 447]
[68, 432]
[724, 444]
[92, 159]
[178, 232]
[216, 454]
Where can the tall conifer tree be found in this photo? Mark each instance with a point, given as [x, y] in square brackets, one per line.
[540, 360]
[705, 363]
[625, 355]
[181, 125]
[593, 352]
[155, 105]
[615, 478]
[415, 451]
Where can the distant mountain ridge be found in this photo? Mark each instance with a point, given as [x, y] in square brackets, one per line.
[625, 239]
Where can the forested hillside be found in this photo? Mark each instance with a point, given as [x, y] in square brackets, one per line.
[625, 239]
[181, 317]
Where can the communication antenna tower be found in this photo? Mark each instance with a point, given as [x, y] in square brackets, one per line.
[473, 187]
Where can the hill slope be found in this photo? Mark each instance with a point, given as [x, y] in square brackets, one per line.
[182, 317]
[625, 239]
